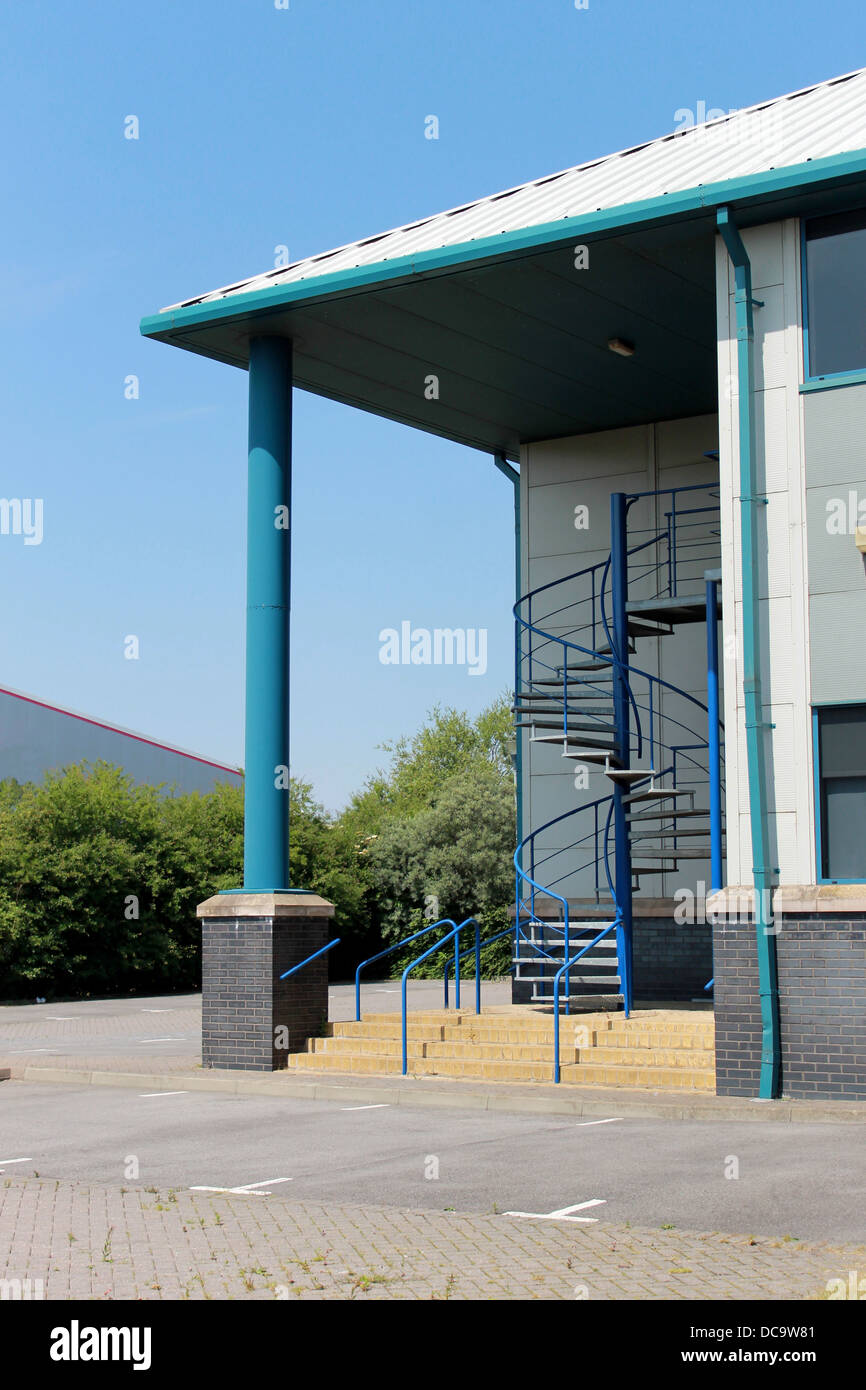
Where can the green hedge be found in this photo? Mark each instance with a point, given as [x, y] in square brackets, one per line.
[100, 879]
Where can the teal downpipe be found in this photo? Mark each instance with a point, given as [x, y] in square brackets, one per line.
[749, 502]
[266, 791]
[514, 478]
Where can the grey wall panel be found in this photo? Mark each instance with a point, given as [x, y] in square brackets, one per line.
[835, 563]
[551, 520]
[838, 627]
[35, 738]
[553, 794]
[835, 436]
[835, 427]
[612, 452]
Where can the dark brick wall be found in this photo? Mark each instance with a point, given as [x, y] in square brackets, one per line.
[822, 1007]
[671, 960]
[244, 1002]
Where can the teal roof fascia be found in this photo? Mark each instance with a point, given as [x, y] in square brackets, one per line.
[703, 198]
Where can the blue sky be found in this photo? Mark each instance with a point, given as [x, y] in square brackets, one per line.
[305, 127]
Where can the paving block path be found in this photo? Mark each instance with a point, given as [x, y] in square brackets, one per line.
[106, 1242]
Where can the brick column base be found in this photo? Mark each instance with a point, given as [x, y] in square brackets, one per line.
[250, 1017]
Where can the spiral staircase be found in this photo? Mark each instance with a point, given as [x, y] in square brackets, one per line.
[584, 688]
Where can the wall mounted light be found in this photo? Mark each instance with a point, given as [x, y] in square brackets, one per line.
[621, 347]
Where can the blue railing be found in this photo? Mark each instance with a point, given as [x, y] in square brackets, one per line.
[407, 940]
[563, 970]
[295, 968]
[475, 950]
[454, 936]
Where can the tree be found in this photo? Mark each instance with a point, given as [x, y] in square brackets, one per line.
[445, 830]
[447, 746]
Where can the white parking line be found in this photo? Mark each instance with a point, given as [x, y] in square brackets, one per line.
[382, 1106]
[155, 1011]
[247, 1190]
[148, 1095]
[4, 1162]
[176, 1038]
[60, 1018]
[564, 1213]
[584, 1124]
[242, 1190]
[21, 1050]
[270, 1182]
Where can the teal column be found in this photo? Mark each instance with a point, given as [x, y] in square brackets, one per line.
[266, 790]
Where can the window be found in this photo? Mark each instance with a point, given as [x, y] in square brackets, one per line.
[835, 293]
[840, 785]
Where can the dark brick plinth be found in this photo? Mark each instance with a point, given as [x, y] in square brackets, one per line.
[822, 1006]
[671, 960]
[250, 1018]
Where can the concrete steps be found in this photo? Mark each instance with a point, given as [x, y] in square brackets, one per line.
[689, 1042]
[654, 1078]
[662, 1049]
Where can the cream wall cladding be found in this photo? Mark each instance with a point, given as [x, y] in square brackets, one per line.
[566, 485]
[783, 601]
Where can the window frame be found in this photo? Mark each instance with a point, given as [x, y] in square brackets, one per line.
[816, 773]
[812, 382]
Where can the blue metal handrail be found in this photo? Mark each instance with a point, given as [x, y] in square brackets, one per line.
[563, 970]
[437, 946]
[476, 949]
[314, 956]
[444, 921]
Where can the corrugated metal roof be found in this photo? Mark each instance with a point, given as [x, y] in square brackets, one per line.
[118, 729]
[827, 119]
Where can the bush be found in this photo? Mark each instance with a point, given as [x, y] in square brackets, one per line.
[100, 879]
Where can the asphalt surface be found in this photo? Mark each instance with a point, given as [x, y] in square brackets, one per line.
[806, 1181]
[170, 1025]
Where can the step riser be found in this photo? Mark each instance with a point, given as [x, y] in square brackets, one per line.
[656, 1077]
[666, 1078]
[688, 1042]
[431, 1054]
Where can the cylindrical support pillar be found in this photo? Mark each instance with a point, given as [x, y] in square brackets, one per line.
[266, 782]
[714, 742]
[619, 596]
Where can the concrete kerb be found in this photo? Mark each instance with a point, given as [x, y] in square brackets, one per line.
[427, 1092]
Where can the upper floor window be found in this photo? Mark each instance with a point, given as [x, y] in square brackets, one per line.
[840, 767]
[835, 287]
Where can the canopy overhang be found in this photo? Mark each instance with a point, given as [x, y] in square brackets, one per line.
[515, 333]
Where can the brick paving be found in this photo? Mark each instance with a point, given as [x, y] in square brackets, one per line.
[105, 1242]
